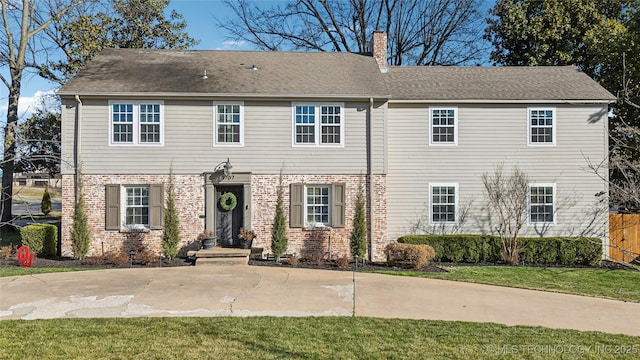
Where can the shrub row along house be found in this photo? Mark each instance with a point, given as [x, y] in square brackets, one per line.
[416, 140]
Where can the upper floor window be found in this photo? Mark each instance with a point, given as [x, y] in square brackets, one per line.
[443, 126]
[444, 202]
[541, 203]
[318, 124]
[542, 126]
[229, 124]
[136, 123]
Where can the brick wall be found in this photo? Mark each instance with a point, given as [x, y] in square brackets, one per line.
[189, 202]
[332, 242]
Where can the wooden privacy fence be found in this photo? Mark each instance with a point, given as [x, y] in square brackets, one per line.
[624, 237]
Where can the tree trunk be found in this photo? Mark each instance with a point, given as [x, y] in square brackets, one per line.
[10, 149]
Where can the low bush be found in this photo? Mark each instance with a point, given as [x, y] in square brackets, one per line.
[487, 248]
[6, 252]
[417, 255]
[342, 261]
[42, 239]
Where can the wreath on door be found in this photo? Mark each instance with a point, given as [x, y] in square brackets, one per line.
[228, 201]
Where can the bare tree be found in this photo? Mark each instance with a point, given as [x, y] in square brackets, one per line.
[424, 225]
[21, 42]
[420, 32]
[508, 200]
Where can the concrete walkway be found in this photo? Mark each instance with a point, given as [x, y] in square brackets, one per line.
[257, 290]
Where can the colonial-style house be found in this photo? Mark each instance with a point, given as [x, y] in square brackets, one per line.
[233, 127]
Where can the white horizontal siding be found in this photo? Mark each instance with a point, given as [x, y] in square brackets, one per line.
[489, 135]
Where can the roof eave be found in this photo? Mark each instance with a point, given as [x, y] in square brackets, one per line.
[218, 95]
[501, 101]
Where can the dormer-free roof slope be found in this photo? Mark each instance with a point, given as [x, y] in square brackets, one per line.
[508, 83]
[140, 72]
[233, 73]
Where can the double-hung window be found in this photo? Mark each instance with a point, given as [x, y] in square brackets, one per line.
[136, 207]
[443, 126]
[136, 123]
[229, 124]
[541, 203]
[317, 205]
[542, 123]
[444, 203]
[318, 124]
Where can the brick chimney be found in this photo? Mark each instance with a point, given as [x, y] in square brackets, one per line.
[379, 49]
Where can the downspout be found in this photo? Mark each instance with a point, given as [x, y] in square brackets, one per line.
[370, 179]
[76, 146]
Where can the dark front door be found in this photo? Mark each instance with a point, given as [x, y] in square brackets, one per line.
[229, 221]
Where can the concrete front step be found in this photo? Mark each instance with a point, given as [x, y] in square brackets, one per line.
[222, 261]
[221, 256]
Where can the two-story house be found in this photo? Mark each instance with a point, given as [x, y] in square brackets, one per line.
[322, 126]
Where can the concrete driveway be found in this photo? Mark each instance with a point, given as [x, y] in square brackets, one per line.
[258, 290]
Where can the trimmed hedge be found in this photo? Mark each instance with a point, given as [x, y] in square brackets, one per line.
[42, 239]
[487, 248]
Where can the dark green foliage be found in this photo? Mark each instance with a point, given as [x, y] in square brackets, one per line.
[39, 143]
[358, 241]
[279, 239]
[171, 234]
[45, 204]
[123, 24]
[80, 235]
[42, 239]
[487, 248]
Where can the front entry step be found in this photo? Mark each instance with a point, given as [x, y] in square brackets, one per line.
[222, 256]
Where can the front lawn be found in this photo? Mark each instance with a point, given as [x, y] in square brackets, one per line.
[299, 338]
[613, 284]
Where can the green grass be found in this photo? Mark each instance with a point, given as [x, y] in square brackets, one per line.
[19, 271]
[298, 338]
[613, 284]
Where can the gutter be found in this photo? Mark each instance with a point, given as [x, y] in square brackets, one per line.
[370, 197]
[206, 95]
[76, 146]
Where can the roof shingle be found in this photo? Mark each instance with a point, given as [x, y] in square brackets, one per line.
[492, 83]
[320, 74]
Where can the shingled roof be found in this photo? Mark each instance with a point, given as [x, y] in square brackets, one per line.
[283, 74]
[131, 72]
[563, 83]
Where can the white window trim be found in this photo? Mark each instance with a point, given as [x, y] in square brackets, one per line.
[136, 122]
[555, 197]
[307, 224]
[431, 186]
[123, 207]
[553, 127]
[455, 126]
[215, 124]
[317, 126]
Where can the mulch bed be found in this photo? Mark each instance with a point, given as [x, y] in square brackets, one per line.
[89, 263]
[331, 265]
[97, 262]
